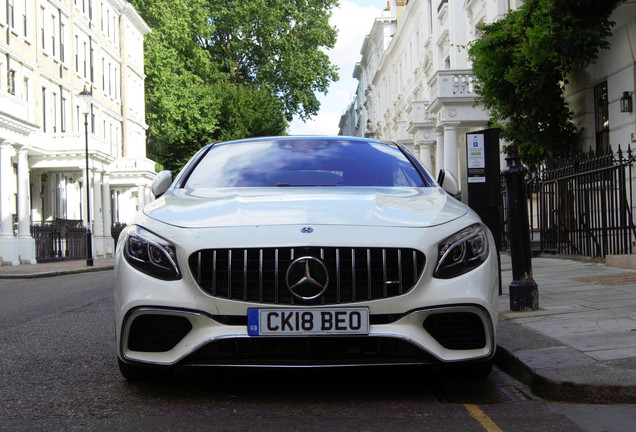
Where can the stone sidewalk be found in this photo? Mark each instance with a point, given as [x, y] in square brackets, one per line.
[580, 346]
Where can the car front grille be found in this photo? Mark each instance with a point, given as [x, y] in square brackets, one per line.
[260, 275]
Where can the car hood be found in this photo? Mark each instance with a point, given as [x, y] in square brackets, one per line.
[231, 207]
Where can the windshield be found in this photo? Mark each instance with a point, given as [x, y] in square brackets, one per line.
[304, 162]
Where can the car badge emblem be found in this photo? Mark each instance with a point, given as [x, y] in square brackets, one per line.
[306, 230]
[307, 278]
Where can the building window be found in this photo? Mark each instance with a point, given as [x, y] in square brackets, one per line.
[61, 42]
[11, 82]
[43, 109]
[53, 27]
[25, 90]
[76, 54]
[63, 114]
[85, 59]
[42, 33]
[10, 11]
[601, 114]
[24, 18]
[54, 112]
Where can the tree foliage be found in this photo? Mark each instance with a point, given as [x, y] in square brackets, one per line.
[181, 108]
[522, 63]
[226, 69]
[278, 45]
[248, 112]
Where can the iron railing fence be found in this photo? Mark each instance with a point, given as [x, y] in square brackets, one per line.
[582, 205]
[59, 240]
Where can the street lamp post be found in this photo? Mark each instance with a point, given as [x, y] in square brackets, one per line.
[85, 97]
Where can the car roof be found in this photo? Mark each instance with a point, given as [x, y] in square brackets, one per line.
[303, 137]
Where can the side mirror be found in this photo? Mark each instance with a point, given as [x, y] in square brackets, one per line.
[161, 183]
[448, 182]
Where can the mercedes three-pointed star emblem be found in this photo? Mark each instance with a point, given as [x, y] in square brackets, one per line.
[307, 278]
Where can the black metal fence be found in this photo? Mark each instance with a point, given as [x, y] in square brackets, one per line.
[59, 240]
[583, 205]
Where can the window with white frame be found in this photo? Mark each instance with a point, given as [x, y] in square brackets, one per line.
[62, 112]
[62, 30]
[44, 109]
[76, 54]
[54, 105]
[85, 60]
[42, 28]
[11, 81]
[10, 10]
[24, 15]
[53, 28]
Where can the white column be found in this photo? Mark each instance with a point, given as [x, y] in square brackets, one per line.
[6, 179]
[439, 151]
[25, 242]
[450, 148]
[107, 218]
[141, 195]
[109, 247]
[96, 183]
[425, 155]
[24, 220]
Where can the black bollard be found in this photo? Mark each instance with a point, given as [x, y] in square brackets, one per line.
[524, 293]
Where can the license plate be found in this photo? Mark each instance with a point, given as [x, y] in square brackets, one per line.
[304, 322]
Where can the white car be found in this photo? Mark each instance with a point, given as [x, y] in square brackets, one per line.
[304, 251]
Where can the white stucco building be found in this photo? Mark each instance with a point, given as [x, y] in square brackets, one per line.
[416, 84]
[49, 51]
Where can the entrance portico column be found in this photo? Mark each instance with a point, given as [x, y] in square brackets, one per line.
[439, 151]
[141, 197]
[425, 154]
[106, 216]
[450, 148]
[24, 220]
[6, 179]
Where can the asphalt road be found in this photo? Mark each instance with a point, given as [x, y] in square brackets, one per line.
[59, 373]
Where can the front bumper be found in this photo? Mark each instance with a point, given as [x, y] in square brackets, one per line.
[446, 334]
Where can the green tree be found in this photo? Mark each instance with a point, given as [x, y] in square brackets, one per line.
[522, 64]
[277, 45]
[182, 109]
[248, 112]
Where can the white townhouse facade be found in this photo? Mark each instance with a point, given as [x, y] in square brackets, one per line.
[50, 50]
[416, 83]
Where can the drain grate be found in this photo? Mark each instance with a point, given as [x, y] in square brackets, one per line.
[479, 394]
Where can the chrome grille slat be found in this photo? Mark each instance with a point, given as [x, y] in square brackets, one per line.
[213, 272]
[276, 276]
[258, 275]
[337, 275]
[354, 285]
[369, 279]
[385, 280]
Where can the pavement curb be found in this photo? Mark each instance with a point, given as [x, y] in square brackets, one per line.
[563, 381]
[54, 273]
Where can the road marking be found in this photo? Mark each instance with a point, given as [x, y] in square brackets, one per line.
[482, 418]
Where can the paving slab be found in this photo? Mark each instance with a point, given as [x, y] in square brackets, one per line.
[580, 345]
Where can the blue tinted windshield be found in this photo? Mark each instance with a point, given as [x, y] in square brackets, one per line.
[304, 162]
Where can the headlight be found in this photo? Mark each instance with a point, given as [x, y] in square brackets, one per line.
[151, 254]
[462, 252]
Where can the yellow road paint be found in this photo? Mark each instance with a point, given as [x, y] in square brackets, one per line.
[482, 418]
